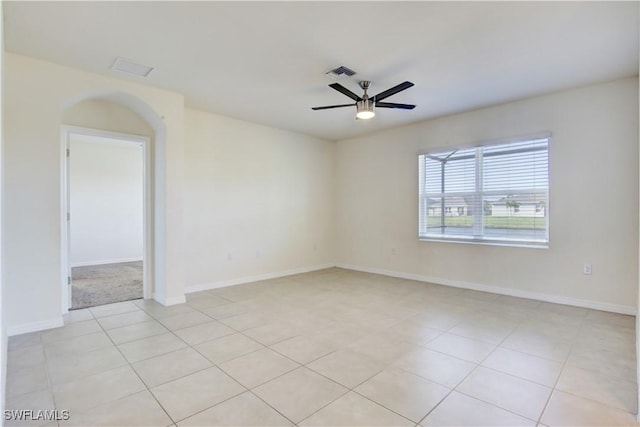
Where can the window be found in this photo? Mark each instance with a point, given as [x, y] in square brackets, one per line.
[500, 193]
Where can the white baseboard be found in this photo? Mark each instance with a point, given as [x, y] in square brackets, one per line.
[249, 279]
[40, 325]
[595, 305]
[105, 261]
[170, 301]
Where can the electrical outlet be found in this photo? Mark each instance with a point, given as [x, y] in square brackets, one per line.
[229, 256]
[587, 268]
[393, 251]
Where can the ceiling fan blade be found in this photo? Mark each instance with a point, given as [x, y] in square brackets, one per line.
[387, 93]
[344, 90]
[332, 106]
[394, 105]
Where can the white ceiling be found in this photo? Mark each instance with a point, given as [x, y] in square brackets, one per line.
[265, 61]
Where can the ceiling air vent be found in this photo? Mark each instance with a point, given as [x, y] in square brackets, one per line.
[340, 72]
[130, 67]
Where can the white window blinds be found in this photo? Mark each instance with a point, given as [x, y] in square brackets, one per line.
[493, 193]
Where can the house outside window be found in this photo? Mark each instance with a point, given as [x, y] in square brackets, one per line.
[494, 193]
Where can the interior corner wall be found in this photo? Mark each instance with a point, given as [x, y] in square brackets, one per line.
[36, 94]
[593, 200]
[258, 201]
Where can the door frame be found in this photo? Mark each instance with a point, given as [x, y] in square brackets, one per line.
[147, 244]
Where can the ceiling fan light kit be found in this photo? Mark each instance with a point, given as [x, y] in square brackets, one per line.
[364, 109]
[365, 105]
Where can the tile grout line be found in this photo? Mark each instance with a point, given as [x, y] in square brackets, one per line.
[348, 302]
[564, 366]
[250, 390]
[300, 365]
[186, 375]
[478, 364]
[555, 384]
[49, 380]
[388, 365]
[134, 371]
[247, 389]
[111, 369]
[131, 364]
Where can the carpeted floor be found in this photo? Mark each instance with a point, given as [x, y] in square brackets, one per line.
[104, 284]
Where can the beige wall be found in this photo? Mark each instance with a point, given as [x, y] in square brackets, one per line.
[263, 195]
[3, 292]
[638, 300]
[105, 115]
[280, 202]
[260, 195]
[37, 93]
[593, 200]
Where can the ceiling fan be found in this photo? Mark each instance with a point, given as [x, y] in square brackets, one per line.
[365, 105]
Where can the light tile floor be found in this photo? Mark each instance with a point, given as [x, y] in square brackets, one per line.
[333, 347]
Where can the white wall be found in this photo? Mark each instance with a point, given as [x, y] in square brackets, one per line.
[593, 199]
[106, 200]
[36, 95]
[258, 200]
[3, 298]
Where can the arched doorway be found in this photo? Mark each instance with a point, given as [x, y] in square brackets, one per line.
[107, 183]
[122, 117]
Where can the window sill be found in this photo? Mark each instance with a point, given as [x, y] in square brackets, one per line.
[507, 243]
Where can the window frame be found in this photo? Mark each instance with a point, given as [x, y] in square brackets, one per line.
[478, 205]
